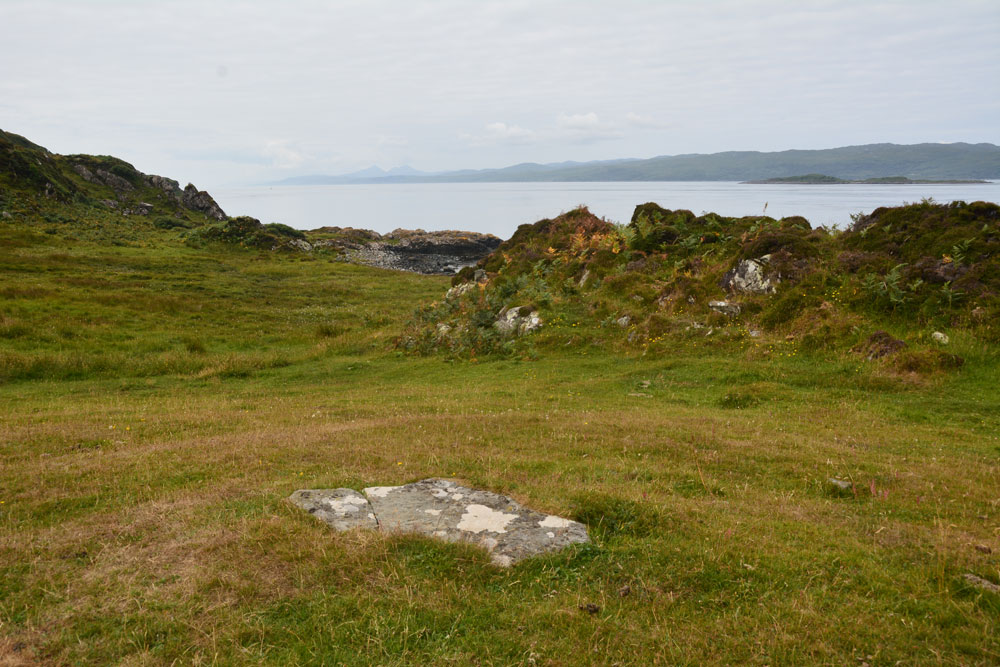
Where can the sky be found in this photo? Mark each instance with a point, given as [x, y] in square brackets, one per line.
[224, 93]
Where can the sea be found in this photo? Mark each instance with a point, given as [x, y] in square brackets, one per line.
[499, 208]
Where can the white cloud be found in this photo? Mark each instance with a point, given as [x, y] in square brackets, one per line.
[386, 141]
[586, 127]
[640, 121]
[282, 156]
[510, 132]
[500, 133]
[584, 122]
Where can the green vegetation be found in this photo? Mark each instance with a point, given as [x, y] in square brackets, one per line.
[163, 393]
[909, 270]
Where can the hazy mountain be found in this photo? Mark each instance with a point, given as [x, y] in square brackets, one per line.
[917, 162]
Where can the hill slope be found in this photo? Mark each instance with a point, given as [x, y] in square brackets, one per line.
[916, 162]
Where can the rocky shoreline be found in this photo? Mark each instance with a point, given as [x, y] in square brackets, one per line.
[438, 253]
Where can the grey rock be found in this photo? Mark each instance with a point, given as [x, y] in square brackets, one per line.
[113, 181]
[748, 276]
[5, 215]
[584, 278]
[459, 290]
[168, 185]
[201, 201]
[623, 321]
[103, 177]
[443, 252]
[754, 333]
[725, 307]
[85, 173]
[517, 320]
[143, 208]
[342, 509]
[940, 337]
[840, 485]
[480, 276]
[454, 513]
[981, 583]
[300, 244]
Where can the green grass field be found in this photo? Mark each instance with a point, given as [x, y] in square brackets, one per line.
[160, 402]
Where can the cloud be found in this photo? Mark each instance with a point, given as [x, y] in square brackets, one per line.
[500, 133]
[578, 121]
[282, 156]
[640, 121]
[387, 141]
[514, 133]
[586, 127]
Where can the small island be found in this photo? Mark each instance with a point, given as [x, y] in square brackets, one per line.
[823, 179]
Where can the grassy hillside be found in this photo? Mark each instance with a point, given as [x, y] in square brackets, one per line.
[162, 398]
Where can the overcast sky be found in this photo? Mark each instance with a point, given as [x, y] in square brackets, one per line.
[223, 93]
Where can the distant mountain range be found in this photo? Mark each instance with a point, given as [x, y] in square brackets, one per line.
[916, 162]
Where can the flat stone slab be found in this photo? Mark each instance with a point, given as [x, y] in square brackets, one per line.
[445, 510]
[343, 509]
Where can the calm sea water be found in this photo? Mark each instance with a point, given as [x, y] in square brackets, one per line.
[498, 208]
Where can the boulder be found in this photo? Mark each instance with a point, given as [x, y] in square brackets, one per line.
[299, 244]
[448, 511]
[940, 337]
[748, 276]
[518, 320]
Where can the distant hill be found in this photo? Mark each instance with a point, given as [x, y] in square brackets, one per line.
[821, 179]
[851, 163]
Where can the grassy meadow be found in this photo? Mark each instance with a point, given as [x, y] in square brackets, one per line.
[159, 402]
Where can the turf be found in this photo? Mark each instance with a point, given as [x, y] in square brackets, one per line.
[160, 401]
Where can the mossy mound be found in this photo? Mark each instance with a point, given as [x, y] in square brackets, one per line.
[669, 275]
[251, 233]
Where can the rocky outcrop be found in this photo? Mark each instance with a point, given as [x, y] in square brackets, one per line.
[445, 510]
[749, 276]
[418, 251]
[201, 201]
[105, 178]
